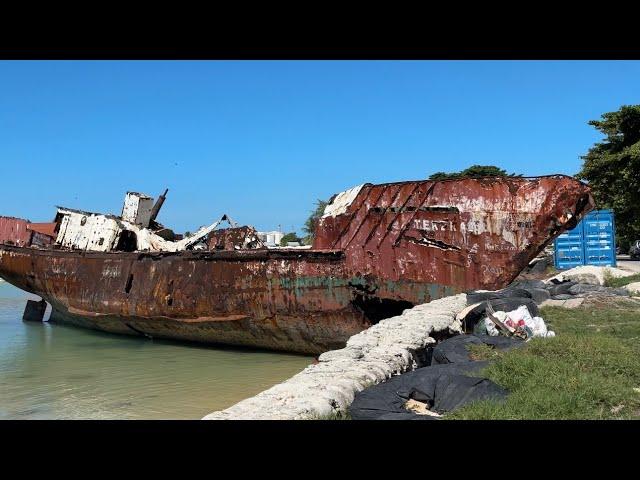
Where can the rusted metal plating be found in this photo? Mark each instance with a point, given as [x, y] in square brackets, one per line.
[378, 249]
[20, 232]
[14, 231]
[237, 238]
[472, 233]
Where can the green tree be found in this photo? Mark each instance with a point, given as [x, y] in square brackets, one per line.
[289, 237]
[310, 225]
[473, 171]
[612, 169]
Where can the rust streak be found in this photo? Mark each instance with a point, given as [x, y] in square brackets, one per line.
[226, 287]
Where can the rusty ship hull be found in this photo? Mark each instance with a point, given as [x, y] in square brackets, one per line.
[378, 249]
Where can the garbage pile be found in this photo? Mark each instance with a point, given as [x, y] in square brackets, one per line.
[450, 380]
[502, 319]
[513, 311]
[517, 323]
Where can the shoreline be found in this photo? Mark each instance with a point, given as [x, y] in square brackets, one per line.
[391, 347]
[326, 389]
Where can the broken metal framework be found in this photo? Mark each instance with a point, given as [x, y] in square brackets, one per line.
[378, 249]
[135, 230]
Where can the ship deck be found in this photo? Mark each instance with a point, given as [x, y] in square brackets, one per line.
[231, 255]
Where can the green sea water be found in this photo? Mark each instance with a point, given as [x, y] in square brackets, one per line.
[50, 371]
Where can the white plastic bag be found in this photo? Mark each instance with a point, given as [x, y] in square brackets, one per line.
[535, 324]
[520, 313]
[492, 330]
[538, 327]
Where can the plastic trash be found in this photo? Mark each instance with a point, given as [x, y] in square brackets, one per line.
[519, 320]
[538, 327]
[492, 330]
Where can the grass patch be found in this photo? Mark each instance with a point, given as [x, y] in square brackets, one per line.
[482, 351]
[588, 371]
[611, 281]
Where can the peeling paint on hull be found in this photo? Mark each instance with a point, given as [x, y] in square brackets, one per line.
[386, 248]
[223, 297]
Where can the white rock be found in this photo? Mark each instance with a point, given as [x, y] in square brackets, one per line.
[570, 303]
[634, 288]
[597, 272]
[586, 278]
[372, 356]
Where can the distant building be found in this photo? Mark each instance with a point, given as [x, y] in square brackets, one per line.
[271, 239]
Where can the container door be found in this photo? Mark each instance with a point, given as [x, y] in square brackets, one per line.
[599, 239]
[569, 248]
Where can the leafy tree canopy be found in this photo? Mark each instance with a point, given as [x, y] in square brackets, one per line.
[310, 225]
[612, 169]
[472, 172]
[289, 237]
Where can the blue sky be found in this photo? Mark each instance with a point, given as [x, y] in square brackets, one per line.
[262, 141]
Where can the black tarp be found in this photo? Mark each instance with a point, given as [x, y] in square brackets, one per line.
[454, 349]
[444, 386]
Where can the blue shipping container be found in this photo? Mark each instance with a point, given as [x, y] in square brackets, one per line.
[592, 242]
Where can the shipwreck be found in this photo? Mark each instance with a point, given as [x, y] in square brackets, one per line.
[377, 250]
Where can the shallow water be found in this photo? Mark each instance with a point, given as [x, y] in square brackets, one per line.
[50, 371]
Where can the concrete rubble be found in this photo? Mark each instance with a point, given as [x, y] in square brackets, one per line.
[568, 303]
[580, 283]
[589, 274]
[633, 288]
[391, 347]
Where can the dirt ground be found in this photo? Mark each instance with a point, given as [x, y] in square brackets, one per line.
[625, 263]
